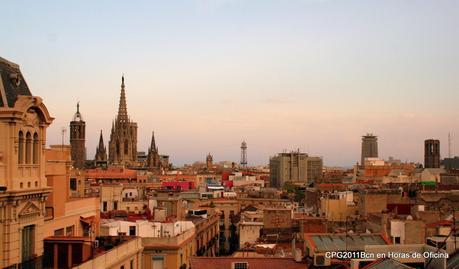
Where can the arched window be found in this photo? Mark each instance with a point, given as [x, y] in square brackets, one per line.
[126, 147]
[21, 148]
[35, 148]
[28, 148]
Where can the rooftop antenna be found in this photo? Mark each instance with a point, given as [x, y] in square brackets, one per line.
[63, 131]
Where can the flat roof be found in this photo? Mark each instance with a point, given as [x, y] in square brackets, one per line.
[341, 242]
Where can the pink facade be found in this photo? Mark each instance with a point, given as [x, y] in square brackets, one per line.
[178, 185]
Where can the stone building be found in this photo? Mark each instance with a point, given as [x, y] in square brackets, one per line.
[153, 159]
[101, 153]
[77, 139]
[294, 167]
[123, 136]
[432, 153]
[24, 119]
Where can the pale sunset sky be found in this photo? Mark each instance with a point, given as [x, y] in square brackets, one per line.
[206, 74]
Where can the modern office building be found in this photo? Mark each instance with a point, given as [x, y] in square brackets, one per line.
[294, 167]
[369, 147]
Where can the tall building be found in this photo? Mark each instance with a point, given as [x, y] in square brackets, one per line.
[432, 153]
[77, 139]
[369, 147]
[123, 137]
[294, 167]
[243, 154]
[24, 119]
[209, 161]
[101, 152]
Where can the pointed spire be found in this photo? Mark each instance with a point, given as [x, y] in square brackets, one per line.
[78, 116]
[101, 141]
[122, 109]
[153, 142]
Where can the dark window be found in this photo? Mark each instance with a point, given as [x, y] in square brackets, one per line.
[28, 148]
[21, 148]
[132, 230]
[115, 205]
[73, 184]
[104, 207]
[35, 148]
[397, 240]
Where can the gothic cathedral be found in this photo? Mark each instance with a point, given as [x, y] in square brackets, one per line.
[123, 136]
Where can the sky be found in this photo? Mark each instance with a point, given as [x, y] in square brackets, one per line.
[205, 75]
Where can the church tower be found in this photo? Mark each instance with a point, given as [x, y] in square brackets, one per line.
[209, 161]
[77, 139]
[153, 159]
[101, 152]
[123, 137]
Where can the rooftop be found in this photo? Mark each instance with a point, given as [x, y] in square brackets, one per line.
[253, 263]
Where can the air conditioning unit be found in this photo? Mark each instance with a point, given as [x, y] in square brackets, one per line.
[321, 260]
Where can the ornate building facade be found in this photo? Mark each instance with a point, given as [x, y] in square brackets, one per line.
[77, 139]
[23, 189]
[123, 136]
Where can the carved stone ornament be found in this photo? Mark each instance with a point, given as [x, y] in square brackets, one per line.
[31, 118]
[30, 209]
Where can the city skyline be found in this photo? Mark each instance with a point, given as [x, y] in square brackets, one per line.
[279, 76]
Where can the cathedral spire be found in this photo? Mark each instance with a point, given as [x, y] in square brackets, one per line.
[122, 109]
[101, 141]
[153, 142]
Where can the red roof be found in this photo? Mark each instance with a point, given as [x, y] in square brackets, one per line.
[254, 263]
[439, 223]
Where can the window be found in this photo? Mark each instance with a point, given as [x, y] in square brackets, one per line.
[28, 148]
[397, 240]
[104, 206]
[122, 267]
[21, 148]
[59, 232]
[35, 148]
[21, 185]
[69, 230]
[240, 265]
[28, 184]
[36, 183]
[115, 205]
[131, 264]
[73, 185]
[132, 230]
